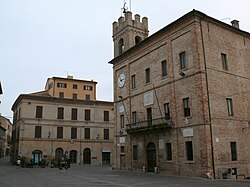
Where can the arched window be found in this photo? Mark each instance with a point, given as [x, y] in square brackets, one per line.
[137, 40]
[121, 46]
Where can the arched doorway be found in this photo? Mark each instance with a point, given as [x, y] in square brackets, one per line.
[151, 156]
[37, 156]
[86, 156]
[59, 153]
[73, 156]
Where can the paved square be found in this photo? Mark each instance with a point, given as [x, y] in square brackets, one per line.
[11, 176]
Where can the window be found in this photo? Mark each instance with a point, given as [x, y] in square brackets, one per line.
[73, 133]
[59, 132]
[147, 73]
[134, 117]
[224, 61]
[149, 116]
[230, 107]
[74, 114]
[74, 86]
[189, 150]
[60, 113]
[74, 96]
[121, 46]
[164, 68]
[106, 115]
[106, 134]
[61, 85]
[87, 115]
[133, 86]
[137, 40]
[233, 151]
[87, 133]
[134, 152]
[183, 60]
[61, 95]
[50, 85]
[167, 110]
[85, 87]
[122, 121]
[38, 131]
[39, 111]
[169, 151]
[186, 107]
[122, 149]
[87, 97]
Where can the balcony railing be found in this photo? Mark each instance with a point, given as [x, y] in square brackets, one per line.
[149, 125]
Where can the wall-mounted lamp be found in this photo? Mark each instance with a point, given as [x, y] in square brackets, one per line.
[182, 73]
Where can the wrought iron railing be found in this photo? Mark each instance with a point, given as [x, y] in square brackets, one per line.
[154, 124]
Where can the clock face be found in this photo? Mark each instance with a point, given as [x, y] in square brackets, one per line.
[121, 80]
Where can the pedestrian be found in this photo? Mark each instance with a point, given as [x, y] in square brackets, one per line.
[18, 162]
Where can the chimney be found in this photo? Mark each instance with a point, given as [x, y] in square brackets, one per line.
[69, 77]
[235, 23]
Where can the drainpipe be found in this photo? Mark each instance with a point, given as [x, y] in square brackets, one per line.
[209, 107]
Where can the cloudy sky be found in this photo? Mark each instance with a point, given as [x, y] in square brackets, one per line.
[45, 38]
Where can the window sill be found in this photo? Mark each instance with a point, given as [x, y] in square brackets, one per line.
[169, 161]
[190, 162]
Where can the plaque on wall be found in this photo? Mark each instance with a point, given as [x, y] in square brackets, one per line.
[188, 132]
[161, 143]
[121, 109]
[148, 98]
[122, 139]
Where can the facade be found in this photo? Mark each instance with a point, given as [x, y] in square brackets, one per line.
[182, 97]
[5, 136]
[65, 119]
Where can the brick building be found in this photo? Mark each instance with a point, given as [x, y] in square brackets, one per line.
[65, 118]
[182, 97]
[5, 136]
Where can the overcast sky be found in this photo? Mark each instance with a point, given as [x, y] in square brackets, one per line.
[45, 38]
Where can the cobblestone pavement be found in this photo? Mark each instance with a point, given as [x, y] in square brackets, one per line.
[93, 176]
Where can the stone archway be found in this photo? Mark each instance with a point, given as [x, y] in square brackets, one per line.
[151, 157]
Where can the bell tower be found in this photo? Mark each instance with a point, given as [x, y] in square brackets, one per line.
[128, 32]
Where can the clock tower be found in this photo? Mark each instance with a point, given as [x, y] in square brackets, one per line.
[128, 32]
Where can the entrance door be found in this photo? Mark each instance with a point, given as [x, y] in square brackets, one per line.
[86, 156]
[58, 153]
[151, 157]
[37, 156]
[73, 156]
[105, 158]
[122, 162]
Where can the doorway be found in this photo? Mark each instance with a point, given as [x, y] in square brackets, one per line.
[37, 157]
[73, 156]
[151, 157]
[105, 158]
[86, 156]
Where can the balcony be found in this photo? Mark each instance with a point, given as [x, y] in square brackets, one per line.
[150, 125]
